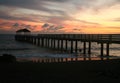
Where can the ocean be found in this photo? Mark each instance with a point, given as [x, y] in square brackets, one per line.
[8, 45]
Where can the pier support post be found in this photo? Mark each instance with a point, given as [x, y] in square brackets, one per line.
[76, 46]
[48, 43]
[54, 44]
[61, 45]
[38, 42]
[45, 42]
[42, 42]
[84, 47]
[66, 45]
[107, 50]
[35, 41]
[31, 40]
[84, 50]
[89, 50]
[51, 43]
[71, 46]
[58, 44]
[102, 46]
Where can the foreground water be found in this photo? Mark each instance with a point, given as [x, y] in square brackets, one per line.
[24, 50]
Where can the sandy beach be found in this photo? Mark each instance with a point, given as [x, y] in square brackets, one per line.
[65, 72]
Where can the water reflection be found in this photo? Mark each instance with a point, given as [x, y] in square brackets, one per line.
[61, 59]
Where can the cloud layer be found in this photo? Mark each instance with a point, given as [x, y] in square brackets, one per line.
[67, 13]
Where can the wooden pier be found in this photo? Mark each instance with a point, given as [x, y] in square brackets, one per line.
[60, 41]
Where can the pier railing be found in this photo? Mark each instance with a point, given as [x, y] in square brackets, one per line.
[113, 38]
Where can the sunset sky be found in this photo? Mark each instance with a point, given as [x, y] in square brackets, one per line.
[60, 16]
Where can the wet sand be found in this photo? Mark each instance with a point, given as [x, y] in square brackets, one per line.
[107, 71]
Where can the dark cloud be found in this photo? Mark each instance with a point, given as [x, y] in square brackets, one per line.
[34, 17]
[22, 2]
[39, 5]
[59, 27]
[26, 2]
[19, 3]
[16, 25]
[7, 16]
[76, 29]
[45, 25]
[51, 28]
[30, 4]
[54, 28]
[56, 0]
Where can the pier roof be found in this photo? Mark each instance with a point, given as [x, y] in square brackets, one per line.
[23, 30]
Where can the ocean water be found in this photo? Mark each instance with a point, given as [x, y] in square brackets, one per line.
[25, 50]
[8, 45]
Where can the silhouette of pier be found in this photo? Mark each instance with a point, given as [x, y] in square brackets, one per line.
[60, 41]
